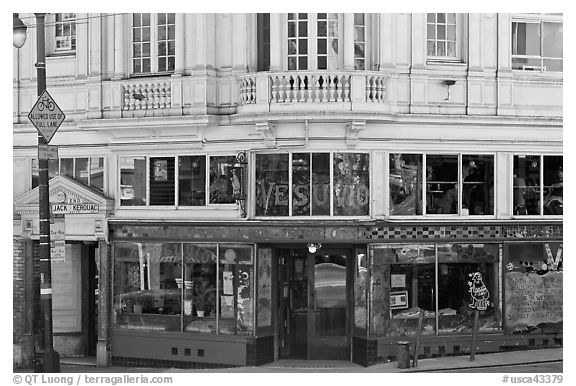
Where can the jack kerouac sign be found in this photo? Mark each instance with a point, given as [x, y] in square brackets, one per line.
[46, 116]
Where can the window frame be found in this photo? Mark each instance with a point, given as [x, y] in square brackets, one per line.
[460, 184]
[291, 216]
[34, 160]
[176, 204]
[68, 19]
[539, 19]
[460, 28]
[542, 186]
[312, 41]
[154, 42]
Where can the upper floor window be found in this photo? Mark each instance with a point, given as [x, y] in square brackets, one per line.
[313, 184]
[442, 36]
[87, 170]
[359, 41]
[65, 32]
[178, 181]
[538, 184]
[315, 41]
[537, 44]
[153, 42]
[455, 184]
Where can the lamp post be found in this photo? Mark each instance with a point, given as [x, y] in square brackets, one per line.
[45, 359]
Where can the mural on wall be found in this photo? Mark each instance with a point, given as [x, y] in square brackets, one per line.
[534, 282]
[264, 288]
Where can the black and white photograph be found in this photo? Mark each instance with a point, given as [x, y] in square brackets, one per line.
[221, 191]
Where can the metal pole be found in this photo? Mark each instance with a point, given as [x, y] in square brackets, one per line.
[47, 360]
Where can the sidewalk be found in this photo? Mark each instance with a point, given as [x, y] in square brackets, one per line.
[424, 365]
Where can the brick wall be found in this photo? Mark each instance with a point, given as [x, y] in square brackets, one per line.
[22, 337]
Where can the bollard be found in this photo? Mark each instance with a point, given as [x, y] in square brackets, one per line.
[403, 355]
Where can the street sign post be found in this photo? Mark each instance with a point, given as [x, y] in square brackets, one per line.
[46, 116]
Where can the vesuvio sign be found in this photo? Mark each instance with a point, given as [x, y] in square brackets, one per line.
[83, 208]
[46, 116]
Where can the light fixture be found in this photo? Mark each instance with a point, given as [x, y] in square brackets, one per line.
[448, 83]
[313, 247]
[18, 31]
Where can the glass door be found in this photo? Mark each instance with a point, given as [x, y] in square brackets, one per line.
[329, 299]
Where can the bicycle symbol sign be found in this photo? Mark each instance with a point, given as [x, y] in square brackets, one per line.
[46, 116]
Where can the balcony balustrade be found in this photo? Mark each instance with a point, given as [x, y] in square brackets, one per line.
[304, 90]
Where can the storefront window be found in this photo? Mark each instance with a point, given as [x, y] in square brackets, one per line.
[67, 167]
[442, 184]
[403, 283]
[132, 181]
[448, 191]
[81, 171]
[222, 180]
[405, 184]
[88, 170]
[553, 201]
[533, 288]
[456, 264]
[351, 184]
[199, 283]
[174, 287]
[477, 184]
[97, 173]
[162, 188]
[530, 196]
[192, 180]
[146, 291]
[311, 184]
[272, 185]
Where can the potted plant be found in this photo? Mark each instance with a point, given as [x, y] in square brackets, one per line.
[203, 298]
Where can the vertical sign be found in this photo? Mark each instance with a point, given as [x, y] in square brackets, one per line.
[57, 238]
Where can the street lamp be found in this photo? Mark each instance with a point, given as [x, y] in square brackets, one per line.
[19, 31]
[46, 359]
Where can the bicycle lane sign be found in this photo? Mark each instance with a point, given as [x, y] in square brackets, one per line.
[46, 116]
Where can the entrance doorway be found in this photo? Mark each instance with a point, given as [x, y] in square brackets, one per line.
[314, 295]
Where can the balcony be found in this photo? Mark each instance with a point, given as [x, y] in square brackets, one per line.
[314, 91]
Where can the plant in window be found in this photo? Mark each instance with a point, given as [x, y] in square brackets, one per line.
[204, 298]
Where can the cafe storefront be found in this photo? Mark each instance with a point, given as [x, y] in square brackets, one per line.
[245, 294]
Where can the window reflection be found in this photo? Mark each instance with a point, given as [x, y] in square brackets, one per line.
[405, 184]
[441, 184]
[477, 184]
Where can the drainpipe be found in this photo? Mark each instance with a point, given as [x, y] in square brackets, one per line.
[299, 146]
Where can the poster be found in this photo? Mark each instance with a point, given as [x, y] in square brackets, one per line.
[160, 170]
[57, 238]
[264, 288]
[228, 283]
[226, 306]
[398, 281]
[532, 299]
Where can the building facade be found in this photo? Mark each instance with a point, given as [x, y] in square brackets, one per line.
[235, 189]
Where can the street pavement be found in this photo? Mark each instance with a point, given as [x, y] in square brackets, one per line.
[504, 360]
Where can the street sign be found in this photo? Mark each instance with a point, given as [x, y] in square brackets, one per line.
[46, 116]
[47, 152]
